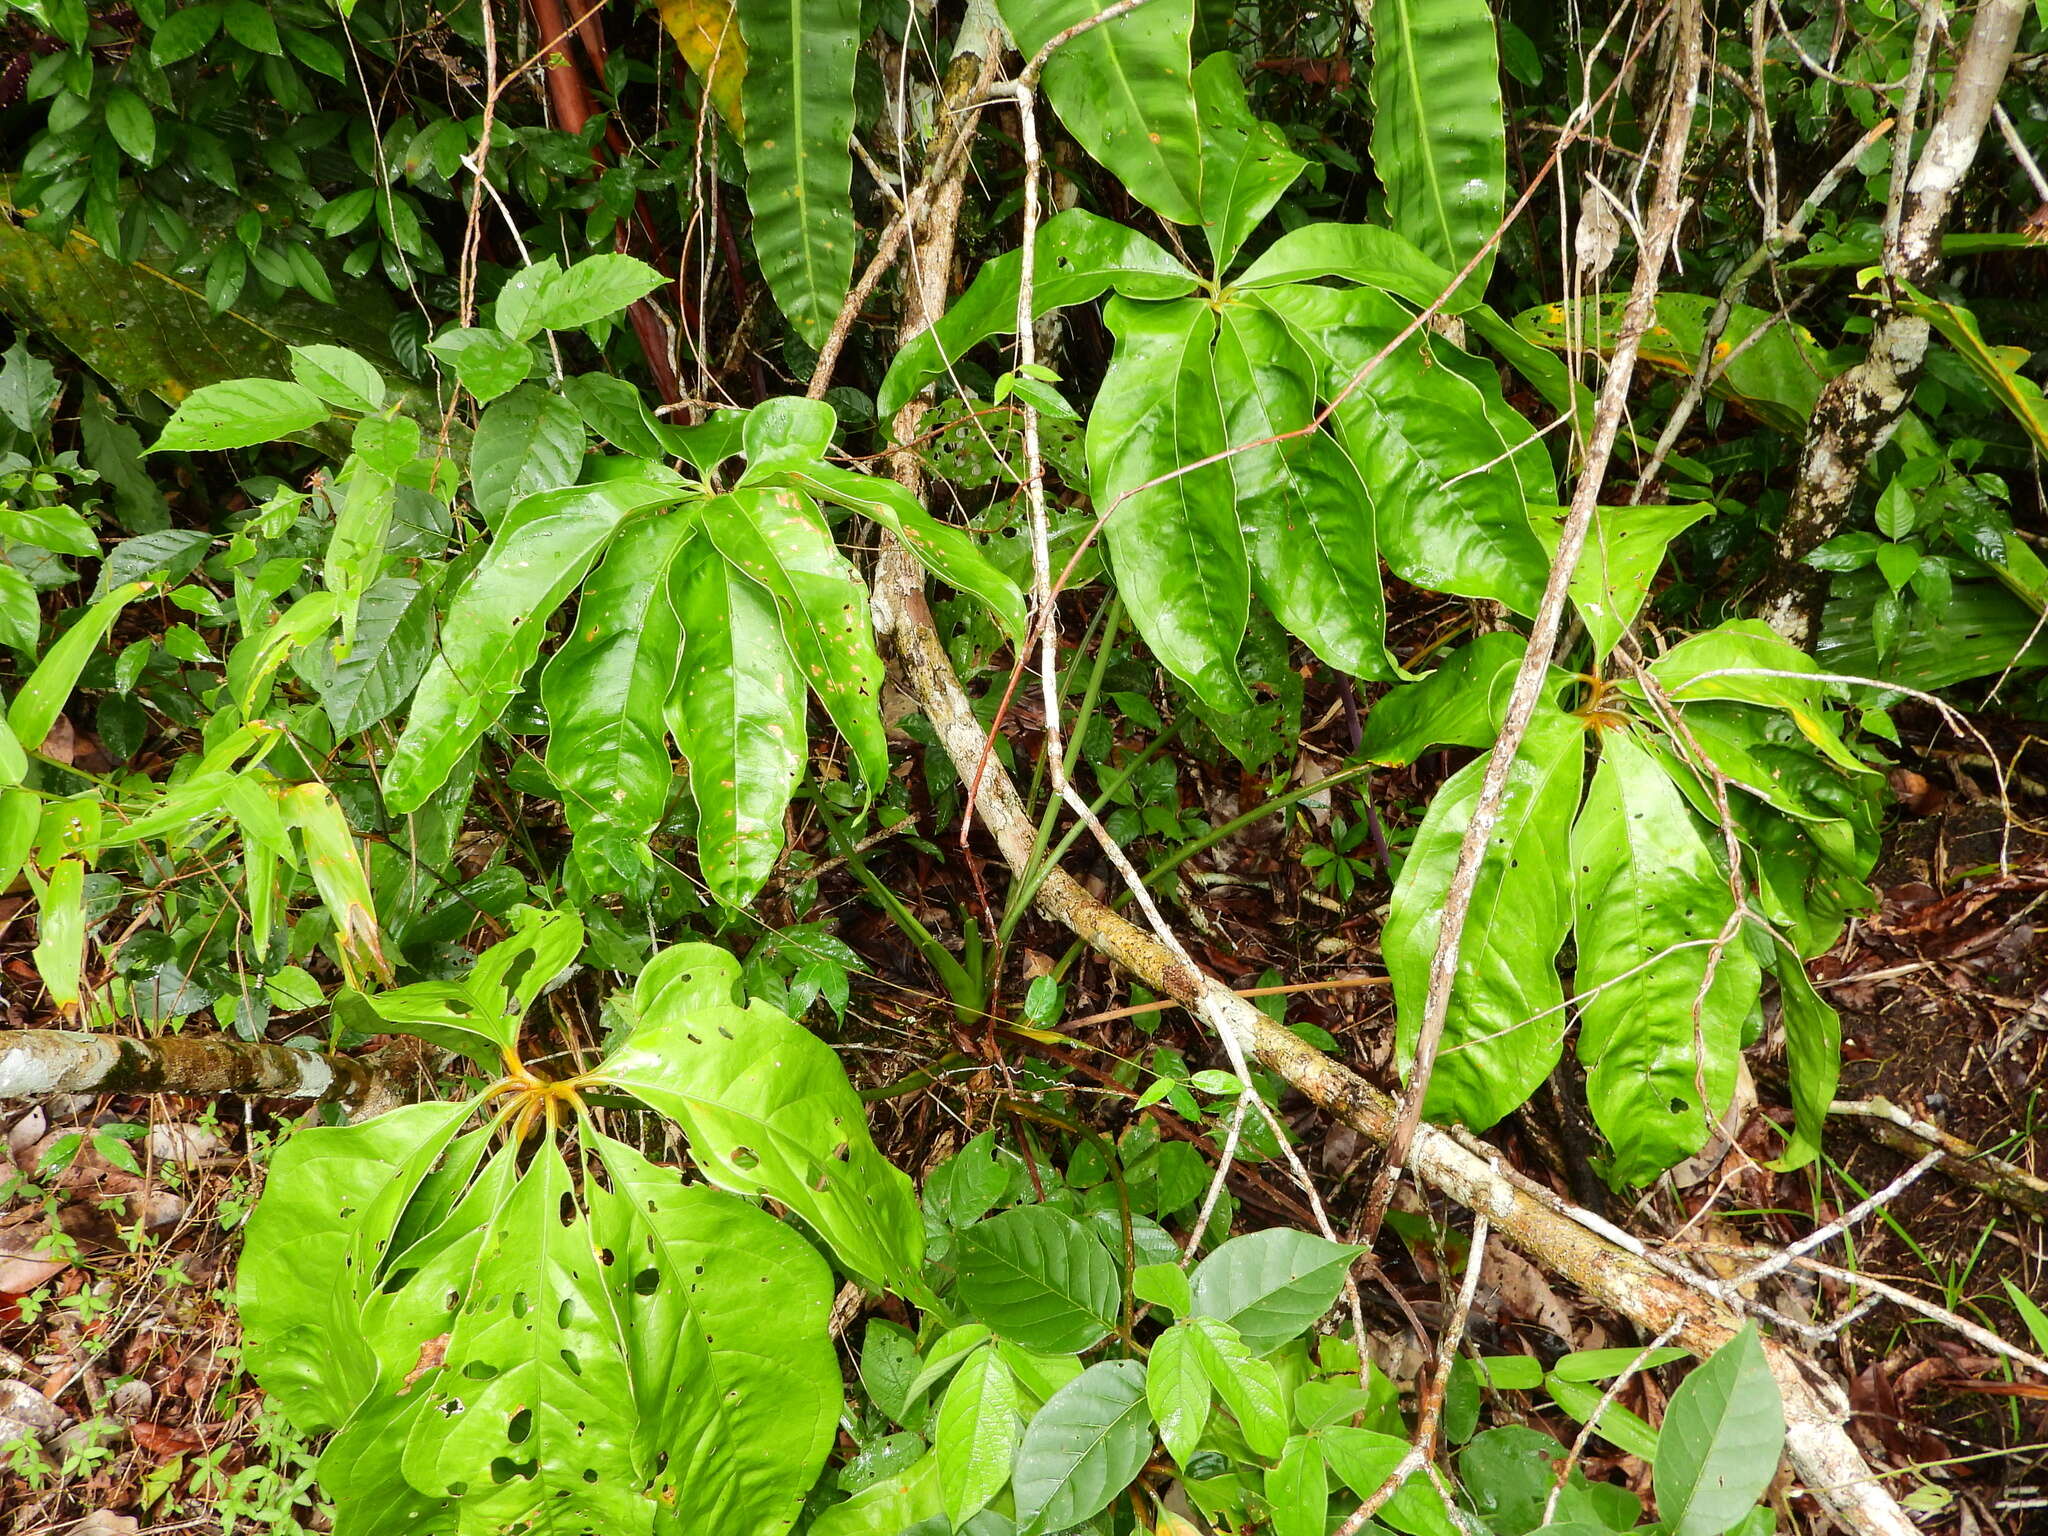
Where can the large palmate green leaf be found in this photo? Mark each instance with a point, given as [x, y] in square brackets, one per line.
[779, 539]
[722, 1297]
[1040, 1279]
[737, 712]
[1083, 1448]
[1652, 902]
[1505, 1029]
[1426, 441]
[1439, 140]
[1246, 164]
[798, 99]
[606, 691]
[1370, 255]
[768, 1111]
[1123, 90]
[545, 1376]
[1307, 518]
[494, 629]
[1176, 547]
[1076, 257]
[295, 1294]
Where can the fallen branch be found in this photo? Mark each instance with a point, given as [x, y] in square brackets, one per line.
[1611, 1268]
[1886, 1122]
[38, 1062]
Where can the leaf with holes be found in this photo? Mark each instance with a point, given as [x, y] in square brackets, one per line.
[768, 1111]
[493, 632]
[778, 538]
[736, 709]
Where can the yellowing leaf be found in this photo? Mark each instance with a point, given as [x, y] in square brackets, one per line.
[707, 35]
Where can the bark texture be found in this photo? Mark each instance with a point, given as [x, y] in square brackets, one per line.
[1859, 410]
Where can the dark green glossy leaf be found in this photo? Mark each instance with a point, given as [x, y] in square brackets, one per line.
[1813, 1050]
[798, 100]
[1123, 90]
[1505, 1029]
[1368, 254]
[778, 538]
[1439, 140]
[1652, 904]
[1308, 520]
[1078, 256]
[1746, 661]
[1461, 704]
[1171, 532]
[394, 640]
[737, 712]
[1425, 441]
[607, 690]
[1246, 164]
[947, 552]
[494, 628]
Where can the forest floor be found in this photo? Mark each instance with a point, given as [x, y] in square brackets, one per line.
[121, 1395]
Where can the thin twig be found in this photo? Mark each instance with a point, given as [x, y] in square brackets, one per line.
[1668, 209]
